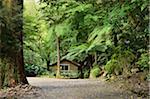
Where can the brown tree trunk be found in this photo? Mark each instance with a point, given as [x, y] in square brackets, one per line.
[20, 63]
[58, 57]
[0, 75]
[0, 55]
[12, 58]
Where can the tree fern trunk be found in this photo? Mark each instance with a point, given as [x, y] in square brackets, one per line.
[58, 57]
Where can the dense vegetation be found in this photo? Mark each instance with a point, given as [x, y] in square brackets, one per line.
[111, 35]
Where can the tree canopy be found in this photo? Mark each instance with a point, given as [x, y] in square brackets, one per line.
[100, 29]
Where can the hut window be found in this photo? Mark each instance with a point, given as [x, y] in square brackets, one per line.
[64, 66]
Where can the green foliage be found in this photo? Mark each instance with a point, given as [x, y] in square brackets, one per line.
[52, 74]
[95, 71]
[37, 39]
[143, 62]
[112, 66]
[74, 75]
[34, 70]
[86, 72]
[108, 28]
[70, 74]
[120, 62]
[148, 77]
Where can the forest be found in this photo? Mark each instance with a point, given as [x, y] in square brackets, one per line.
[108, 38]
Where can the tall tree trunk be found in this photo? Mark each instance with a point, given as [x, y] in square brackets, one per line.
[0, 75]
[20, 63]
[0, 55]
[58, 57]
[12, 52]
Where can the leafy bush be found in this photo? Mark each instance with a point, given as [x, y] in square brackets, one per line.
[143, 62]
[120, 62]
[34, 70]
[70, 74]
[52, 74]
[95, 71]
[74, 75]
[86, 72]
[113, 66]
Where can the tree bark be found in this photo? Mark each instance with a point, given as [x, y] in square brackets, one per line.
[20, 57]
[20, 62]
[58, 57]
[0, 75]
[12, 60]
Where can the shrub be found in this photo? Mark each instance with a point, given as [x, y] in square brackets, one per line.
[70, 74]
[143, 61]
[74, 74]
[95, 72]
[120, 62]
[52, 74]
[34, 70]
[112, 67]
[86, 72]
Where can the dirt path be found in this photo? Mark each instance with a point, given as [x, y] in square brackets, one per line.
[77, 89]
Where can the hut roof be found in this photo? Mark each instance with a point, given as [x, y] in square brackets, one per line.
[72, 62]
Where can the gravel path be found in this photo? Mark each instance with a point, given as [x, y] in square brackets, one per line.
[77, 89]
